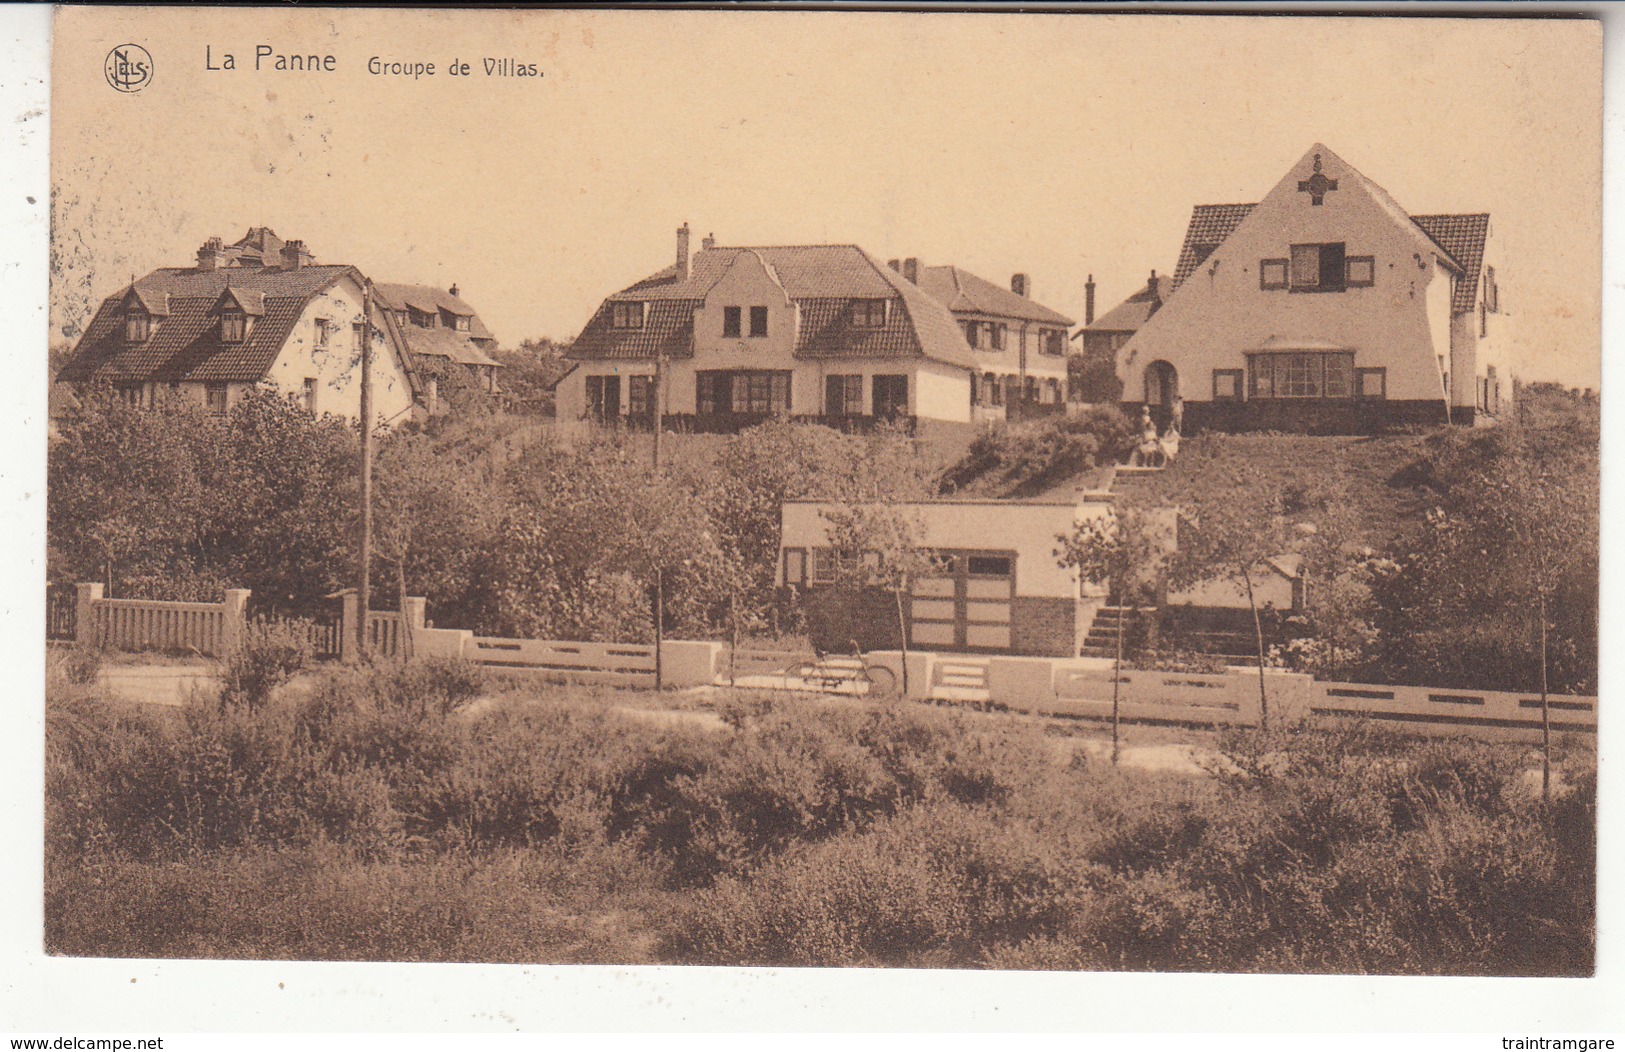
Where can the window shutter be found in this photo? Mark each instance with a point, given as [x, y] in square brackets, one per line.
[1305, 266]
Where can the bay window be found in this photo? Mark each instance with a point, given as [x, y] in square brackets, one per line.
[1299, 374]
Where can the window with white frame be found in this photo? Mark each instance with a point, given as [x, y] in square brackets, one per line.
[626, 315]
[137, 325]
[324, 333]
[233, 325]
[1371, 382]
[1272, 274]
[868, 314]
[843, 395]
[1301, 374]
[1319, 267]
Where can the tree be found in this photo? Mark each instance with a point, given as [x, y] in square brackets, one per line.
[284, 496]
[430, 515]
[1125, 550]
[1234, 516]
[126, 491]
[877, 546]
[1514, 535]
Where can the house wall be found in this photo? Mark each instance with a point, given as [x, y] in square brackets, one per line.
[336, 367]
[1400, 323]
[1487, 351]
[1022, 341]
[1030, 530]
[936, 391]
[1270, 588]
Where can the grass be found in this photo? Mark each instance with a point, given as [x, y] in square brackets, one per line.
[1387, 479]
[392, 818]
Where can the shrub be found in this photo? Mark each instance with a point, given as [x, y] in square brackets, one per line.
[931, 887]
[270, 653]
[431, 686]
[1024, 458]
[81, 665]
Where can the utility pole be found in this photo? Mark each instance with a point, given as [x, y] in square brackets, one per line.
[365, 569]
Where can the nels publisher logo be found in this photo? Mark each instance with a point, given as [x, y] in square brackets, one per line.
[128, 67]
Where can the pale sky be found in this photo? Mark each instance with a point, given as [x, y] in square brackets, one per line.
[1056, 145]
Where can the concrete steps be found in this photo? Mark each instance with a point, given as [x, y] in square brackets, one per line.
[961, 679]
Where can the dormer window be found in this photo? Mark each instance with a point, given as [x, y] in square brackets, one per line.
[233, 325]
[461, 322]
[869, 314]
[423, 319]
[626, 315]
[137, 326]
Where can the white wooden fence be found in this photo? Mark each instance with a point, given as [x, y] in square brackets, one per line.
[615, 664]
[210, 629]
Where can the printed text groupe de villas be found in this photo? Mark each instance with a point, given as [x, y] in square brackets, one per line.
[269, 60]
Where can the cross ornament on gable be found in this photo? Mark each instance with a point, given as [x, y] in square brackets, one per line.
[1317, 185]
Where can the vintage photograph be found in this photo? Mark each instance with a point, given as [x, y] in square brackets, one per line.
[919, 490]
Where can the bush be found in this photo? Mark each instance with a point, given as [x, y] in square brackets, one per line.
[269, 655]
[803, 833]
[80, 665]
[932, 887]
[1025, 458]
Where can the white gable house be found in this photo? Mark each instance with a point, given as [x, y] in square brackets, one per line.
[1324, 308]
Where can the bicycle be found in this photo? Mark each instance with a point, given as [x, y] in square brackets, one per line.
[833, 671]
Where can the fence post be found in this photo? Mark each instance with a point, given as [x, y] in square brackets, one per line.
[348, 651]
[233, 619]
[413, 617]
[86, 622]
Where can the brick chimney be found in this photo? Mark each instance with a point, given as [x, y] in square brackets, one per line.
[708, 243]
[911, 269]
[208, 257]
[682, 252]
[895, 264]
[1089, 301]
[294, 255]
[1156, 293]
[453, 289]
[1020, 286]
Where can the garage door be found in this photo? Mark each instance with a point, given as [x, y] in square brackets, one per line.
[965, 603]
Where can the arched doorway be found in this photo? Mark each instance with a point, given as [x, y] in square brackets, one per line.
[1161, 388]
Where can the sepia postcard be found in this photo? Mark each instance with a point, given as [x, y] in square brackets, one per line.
[1036, 508]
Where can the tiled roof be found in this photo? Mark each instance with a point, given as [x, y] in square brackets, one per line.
[252, 301]
[1133, 312]
[960, 290]
[261, 242]
[1210, 225]
[187, 345]
[1462, 236]
[445, 343]
[154, 301]
[430, 299]
[822, 279]
[668, 327]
